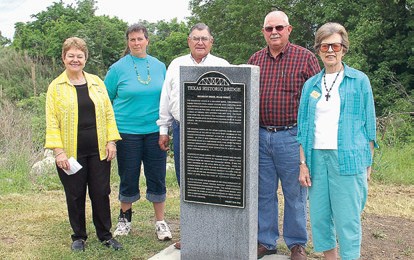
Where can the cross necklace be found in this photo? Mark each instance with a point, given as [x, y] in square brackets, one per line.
[333, 83]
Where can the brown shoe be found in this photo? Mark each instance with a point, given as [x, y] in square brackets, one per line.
[298, 253]
[262, 251]
[177, 245]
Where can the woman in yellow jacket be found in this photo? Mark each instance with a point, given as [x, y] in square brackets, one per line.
[80, 123]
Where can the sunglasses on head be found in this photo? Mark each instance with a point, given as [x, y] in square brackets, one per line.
[324, 47]
[278, 28]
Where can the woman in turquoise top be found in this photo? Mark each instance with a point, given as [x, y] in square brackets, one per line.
[134, 86]
[337, 136]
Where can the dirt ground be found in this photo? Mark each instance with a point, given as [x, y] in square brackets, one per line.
[387, 225]
[383, 238]
[386, 237]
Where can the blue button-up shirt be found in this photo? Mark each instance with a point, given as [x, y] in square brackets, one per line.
[357, 122]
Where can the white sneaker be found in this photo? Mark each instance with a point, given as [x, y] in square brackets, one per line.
[162, 230]
[123, 227]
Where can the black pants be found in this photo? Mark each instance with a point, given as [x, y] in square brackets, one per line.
[95, 175]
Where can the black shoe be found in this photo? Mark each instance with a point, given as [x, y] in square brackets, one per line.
[78, 245]
[112, 243]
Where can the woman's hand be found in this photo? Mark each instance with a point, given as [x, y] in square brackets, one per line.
[110, 150]
[62, 160]
[304, 176]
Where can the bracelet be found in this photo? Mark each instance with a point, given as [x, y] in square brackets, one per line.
[56, 155]
[112, 142]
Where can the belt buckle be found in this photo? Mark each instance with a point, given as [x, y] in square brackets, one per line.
[279, 128]
[271, 129]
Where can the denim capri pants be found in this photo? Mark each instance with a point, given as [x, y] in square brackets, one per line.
[335, 205]
[131, 151]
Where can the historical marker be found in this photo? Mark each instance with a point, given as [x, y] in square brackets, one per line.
[219, 139]
[214, 141]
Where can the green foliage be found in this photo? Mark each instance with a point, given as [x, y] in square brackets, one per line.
[106, 41]
[380, 32]
[383, 38]
[396, 128]
[36, 105]
[237, 30]
[10, 75]
[169, 40]
[22, 76]
[4, 41]
[35, 36]
[44, 36]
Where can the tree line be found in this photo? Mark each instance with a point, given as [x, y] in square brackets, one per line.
[380, 31]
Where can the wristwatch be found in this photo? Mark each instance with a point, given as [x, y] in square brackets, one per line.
[302, 162]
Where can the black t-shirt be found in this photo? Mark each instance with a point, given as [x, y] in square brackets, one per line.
[87, 134]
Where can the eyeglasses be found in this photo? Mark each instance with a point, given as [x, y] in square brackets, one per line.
[324, 47]
[197, 39]
[278, 28]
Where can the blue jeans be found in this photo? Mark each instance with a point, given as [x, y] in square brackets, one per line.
[131, 151]
[279, 160]
[176, 144]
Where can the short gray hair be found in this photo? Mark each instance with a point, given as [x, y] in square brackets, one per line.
[329, 29]
[200, 27]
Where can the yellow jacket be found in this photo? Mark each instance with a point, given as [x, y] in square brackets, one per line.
[62, 115]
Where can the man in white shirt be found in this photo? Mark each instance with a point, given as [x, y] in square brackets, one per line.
[200, 42]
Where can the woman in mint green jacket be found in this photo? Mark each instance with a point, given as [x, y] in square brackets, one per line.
[337, 135]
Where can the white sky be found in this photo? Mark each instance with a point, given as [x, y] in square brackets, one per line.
[130, 11]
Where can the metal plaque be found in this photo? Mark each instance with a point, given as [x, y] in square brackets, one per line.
[214, 141]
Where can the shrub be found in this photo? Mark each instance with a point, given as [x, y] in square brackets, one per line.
[17, 149]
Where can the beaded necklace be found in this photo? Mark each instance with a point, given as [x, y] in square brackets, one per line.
[145, 82]
[333, 83]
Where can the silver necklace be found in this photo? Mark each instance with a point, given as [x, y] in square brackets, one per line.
[333, 83]
[145, 82]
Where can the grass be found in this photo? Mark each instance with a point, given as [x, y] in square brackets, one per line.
[11, 181]
[394, 165]
[34, 223]
[35, 226]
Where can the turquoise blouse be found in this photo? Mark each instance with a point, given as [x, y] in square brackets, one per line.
[357, 121]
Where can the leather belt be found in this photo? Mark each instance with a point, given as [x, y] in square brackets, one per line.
[278, 128]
